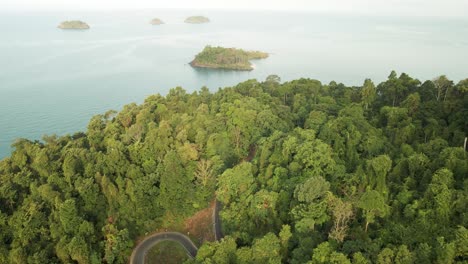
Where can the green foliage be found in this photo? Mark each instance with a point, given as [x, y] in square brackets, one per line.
[325, 253]
[403, 255]
[266, 250]
[305, 172]
[223, 251]
[368, 93]
[117, 244]
[175, 185]
[373, 204]
[263, 250]
[461, 242]
[439, 195]
[358, 258]
[385, 256]
[377, 170]
[311, 210]
[273, 79]
[226, 58]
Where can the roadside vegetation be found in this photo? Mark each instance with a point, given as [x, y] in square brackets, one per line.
[167, 252]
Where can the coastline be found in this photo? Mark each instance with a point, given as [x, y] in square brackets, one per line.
[211, 66]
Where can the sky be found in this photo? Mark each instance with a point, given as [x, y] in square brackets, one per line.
[378, 7]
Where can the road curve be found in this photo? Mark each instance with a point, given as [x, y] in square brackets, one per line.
[140, 251]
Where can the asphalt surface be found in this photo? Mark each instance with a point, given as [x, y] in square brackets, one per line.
[216, 221]
[140, 251]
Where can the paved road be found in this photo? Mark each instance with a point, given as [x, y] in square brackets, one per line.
[216, 221]
[139, 253]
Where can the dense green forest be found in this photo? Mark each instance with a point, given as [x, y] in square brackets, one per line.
[227, 58]
[306, 173]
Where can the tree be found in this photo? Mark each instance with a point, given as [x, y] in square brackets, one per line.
[236, 183]
[412, 103]
[262, 210]
[175, 185]
[223, 251]
[443, 86]
[385, 256]
[312, 207]
[235, 191]
[342, 213]
[445, 252]
[377, 170]
[403, 255]
[322, 253]
[242, 123]
[117, 244]
[266, 250]
[373, 204]
[69, 216]
[461, 242]
[424, 253]
[79, 250]
[439, 196]
[315, 120]
[285, 236]
[314, 155]
[325, 253]
[368, 93]
[358, 258]
[273, 78]
[205, 175]
[392, 90]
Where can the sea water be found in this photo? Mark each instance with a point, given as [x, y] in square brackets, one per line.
[53, 81]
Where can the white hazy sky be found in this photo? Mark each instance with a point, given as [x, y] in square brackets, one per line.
[379, 7]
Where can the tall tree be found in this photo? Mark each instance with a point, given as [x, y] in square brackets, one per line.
[373, 205]
[368, 93]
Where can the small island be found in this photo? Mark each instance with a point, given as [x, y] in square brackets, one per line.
[156, 21]
[73, 24]
[197, 20]
[226, 58]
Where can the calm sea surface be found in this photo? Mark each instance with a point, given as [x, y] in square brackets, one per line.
[53, 81]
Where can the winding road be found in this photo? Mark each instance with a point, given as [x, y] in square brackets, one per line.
[140, 251]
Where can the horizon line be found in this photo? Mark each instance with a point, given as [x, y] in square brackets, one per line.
[244, 9]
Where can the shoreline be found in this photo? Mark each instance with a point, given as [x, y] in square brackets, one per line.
[209, 66]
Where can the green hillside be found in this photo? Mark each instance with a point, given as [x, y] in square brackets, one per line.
[306, 173]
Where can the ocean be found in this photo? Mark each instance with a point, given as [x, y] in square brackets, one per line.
[53, 81]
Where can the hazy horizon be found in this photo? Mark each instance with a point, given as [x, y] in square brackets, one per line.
[455, 8]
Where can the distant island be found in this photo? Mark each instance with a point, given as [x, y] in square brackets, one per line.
[197, 20]
[73, 24]
[226, 58]
[156, 21]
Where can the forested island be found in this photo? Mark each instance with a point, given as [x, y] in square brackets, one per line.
[156, 21]
[306, 173]
[226, 58]
[73, 24]
[197, 20]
